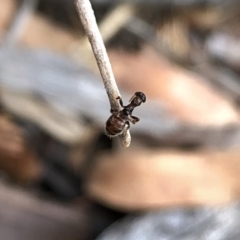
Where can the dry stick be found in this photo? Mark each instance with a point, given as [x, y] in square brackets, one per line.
[117, 18]
[89, 23]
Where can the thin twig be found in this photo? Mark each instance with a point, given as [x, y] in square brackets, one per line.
[89, 23]
[115, 19]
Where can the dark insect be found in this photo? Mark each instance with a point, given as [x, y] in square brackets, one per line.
[119, 121]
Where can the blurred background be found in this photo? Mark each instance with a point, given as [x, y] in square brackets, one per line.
[62, 178]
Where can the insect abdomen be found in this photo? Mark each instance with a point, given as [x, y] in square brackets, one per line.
[114, 126]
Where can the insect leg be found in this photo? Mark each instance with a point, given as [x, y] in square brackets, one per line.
[113, 111]
[127, 125]
[120, 101]
[133, 119]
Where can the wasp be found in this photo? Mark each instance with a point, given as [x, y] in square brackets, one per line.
[119, 122]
